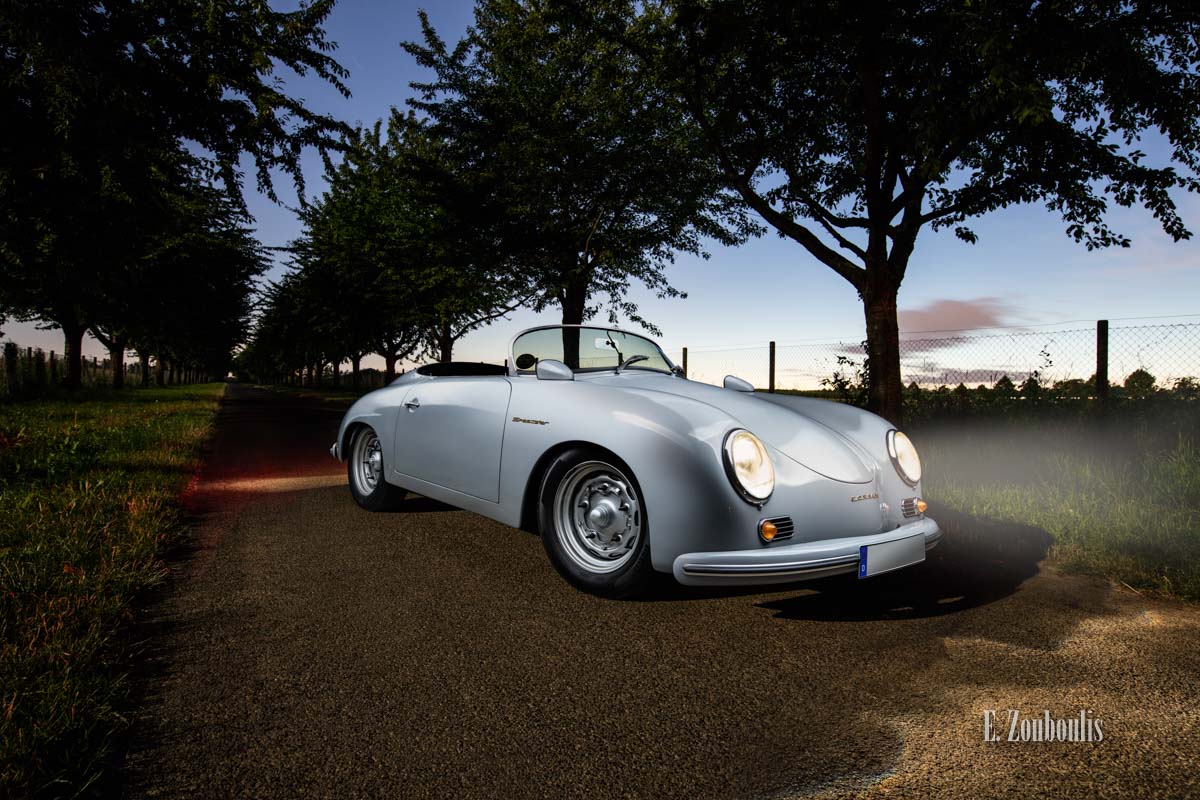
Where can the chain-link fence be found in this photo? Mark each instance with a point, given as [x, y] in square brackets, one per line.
[1168, 351]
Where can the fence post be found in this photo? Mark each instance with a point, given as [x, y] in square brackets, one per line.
[771, 375]
[12, 357]
[685, 362]
[1101, 359]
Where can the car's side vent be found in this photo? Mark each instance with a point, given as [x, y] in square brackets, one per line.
[784, 527]
[908, 507]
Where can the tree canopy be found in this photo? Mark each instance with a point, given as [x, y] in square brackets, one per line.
[109, 107]
[850, 127]
[397, 258]
[593, 174]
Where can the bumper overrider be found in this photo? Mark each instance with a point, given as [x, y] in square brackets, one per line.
[792, 562]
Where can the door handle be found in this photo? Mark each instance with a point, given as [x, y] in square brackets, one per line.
[412, 405]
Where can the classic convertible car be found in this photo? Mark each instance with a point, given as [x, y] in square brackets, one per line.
[591, 437]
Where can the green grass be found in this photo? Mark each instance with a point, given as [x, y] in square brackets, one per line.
[1121, 500]
[89, 490]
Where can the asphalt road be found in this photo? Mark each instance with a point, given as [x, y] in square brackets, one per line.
[308, 648]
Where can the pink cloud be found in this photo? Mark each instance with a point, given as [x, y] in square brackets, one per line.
[956, 315]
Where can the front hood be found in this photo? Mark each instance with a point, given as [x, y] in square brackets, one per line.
[795, 434]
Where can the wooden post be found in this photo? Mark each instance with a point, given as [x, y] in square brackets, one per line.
[685, 362]
[771, 375]
[1102, 359]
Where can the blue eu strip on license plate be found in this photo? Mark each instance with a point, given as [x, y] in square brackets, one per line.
[875, 559]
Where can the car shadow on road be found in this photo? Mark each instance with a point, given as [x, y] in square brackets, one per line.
[418, 504]
[978, 561]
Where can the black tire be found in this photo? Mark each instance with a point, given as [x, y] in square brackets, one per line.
[567, 551]
[379, 495]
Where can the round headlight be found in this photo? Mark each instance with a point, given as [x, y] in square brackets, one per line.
[749, 466]
[904, 457]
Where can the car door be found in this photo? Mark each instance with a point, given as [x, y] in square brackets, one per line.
[449, 432]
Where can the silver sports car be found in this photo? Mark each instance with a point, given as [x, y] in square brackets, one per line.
[591, 437]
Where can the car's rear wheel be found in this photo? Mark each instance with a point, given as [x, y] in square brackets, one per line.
[593, 524]
[364, 468]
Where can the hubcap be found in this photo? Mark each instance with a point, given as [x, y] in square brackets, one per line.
[597, 518]
[368, 462]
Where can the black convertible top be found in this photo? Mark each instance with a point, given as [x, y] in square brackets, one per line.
[461, 368]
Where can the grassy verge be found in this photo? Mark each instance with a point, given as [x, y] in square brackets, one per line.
[89, 491]
[1121, 500]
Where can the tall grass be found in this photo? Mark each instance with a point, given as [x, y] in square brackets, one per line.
[1120, 500]
[89, 492]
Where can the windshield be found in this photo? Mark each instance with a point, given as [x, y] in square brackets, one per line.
[586, 349]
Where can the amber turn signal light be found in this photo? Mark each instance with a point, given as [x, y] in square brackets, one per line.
[767, 530]
[921, 506]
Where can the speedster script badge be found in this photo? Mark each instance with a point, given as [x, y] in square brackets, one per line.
[530, 421]
[857, 497]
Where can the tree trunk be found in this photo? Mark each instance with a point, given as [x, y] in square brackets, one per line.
[574, 305]
[445, 338]
[883, 351]
[116, 354]
[160, 374]
[355, 362]
[144, 367]
[337, 372]
[389, 361]
[73, 354]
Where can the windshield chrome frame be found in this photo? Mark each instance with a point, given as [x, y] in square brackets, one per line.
[513, 372]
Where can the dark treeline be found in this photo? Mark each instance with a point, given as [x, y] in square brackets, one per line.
[542, 165]
[121, 211]
[557, 155]
[563, 150]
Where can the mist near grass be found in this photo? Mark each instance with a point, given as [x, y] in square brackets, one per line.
[1118, 494]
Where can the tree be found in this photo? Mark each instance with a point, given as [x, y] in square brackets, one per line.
[99, 100]
[851, 127]
[1140, 384]
[592, 175]
[394, 259]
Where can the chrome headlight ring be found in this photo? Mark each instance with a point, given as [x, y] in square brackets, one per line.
[904, 457]
[748, 466]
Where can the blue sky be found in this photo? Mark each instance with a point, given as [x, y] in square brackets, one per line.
[1023, 271]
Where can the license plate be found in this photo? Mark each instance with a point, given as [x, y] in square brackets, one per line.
[875, 559]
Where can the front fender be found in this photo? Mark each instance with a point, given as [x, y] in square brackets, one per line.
[671, 443]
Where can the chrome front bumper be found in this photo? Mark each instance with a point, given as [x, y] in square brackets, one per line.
[790, 562]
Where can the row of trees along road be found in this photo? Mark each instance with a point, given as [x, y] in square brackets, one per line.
[564, 149]
[121, 206]
[542, 165]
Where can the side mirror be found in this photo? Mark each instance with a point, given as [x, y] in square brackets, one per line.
[550, 370]
[737, 384]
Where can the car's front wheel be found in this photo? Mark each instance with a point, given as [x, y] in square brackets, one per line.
[364, 468]
[593, 524]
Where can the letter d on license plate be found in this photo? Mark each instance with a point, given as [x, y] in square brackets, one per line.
[875, 559]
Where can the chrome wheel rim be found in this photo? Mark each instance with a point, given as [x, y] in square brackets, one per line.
[367, 460]
[597, 518]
